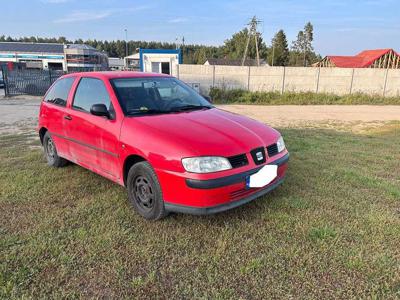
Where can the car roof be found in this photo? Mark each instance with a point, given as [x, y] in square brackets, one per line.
[116, 74]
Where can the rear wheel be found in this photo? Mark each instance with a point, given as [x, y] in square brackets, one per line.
[144, 191]
[50, 152]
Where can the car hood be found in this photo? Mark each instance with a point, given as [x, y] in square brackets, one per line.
[205, 132]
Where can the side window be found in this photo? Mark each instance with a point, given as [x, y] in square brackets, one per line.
[58, 94]
[90, 91]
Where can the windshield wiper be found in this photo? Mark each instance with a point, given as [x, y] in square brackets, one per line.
[133, 112]
[190, 107]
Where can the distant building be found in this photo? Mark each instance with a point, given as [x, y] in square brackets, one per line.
[159, 60]
[132, 62]
[67, 57]
[234, 62]
[116, 63]
[381, 58]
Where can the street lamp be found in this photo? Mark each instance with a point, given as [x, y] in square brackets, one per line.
[126, 42]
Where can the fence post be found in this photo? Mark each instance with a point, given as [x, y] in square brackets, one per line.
[248, 79]
[317, 88]
[283, 80]
[177, 71]
[213, 77]
[49, 77]
[351, 82]
[385, 82]
[5, 80]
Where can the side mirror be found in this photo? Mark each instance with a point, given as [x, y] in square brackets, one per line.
[100, 110]
[207, 98]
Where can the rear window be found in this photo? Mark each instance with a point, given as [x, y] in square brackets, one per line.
[58, 93]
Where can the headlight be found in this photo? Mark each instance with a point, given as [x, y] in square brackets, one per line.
[281, 144]
[206, 164]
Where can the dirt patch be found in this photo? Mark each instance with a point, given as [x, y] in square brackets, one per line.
[19, 114]
[295, 115]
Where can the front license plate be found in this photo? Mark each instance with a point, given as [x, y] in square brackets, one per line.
[263, 177]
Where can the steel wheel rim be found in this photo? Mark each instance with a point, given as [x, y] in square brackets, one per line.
[143, 193]
[50, 149]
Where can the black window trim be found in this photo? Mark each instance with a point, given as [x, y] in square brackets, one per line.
[69, 92]
[112, 115]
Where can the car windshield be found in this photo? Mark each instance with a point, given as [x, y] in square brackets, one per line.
[156, 95]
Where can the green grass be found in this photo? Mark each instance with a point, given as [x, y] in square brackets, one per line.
[332, 230]
[237, 96]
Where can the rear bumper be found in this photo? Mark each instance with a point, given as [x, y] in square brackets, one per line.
[227, 192]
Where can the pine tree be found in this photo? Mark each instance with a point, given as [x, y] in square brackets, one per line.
[302, 47]
[235, 46]
[279, 52]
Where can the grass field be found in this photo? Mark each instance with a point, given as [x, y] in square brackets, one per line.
[331, 230]
[238, 96]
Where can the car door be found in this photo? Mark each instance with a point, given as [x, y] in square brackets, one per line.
[53, 110]
[93, 139]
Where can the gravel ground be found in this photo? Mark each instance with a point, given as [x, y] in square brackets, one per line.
[286, 115]
[19, 114]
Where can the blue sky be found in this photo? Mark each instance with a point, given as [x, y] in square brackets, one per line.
[341, 27]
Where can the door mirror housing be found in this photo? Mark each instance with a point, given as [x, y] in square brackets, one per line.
[100, 110]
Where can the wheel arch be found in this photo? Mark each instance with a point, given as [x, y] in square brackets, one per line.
[128, 163]
[42, 133]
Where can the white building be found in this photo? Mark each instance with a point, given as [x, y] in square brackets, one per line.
[159, 60]
[116, 63]
[67, 57]
[132, 62]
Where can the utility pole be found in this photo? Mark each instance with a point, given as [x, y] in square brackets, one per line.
[126, 42]
[252, 32]
[258, 55]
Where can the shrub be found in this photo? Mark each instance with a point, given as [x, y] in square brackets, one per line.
[239, 96]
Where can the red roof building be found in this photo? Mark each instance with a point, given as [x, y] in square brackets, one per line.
[381, 58]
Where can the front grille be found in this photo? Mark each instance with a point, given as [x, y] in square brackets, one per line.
[238, 161]
[258, 155]
[272, 150]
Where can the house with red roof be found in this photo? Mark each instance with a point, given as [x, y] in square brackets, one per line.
[380, 58]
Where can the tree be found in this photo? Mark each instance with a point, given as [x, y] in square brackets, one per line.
[62, 40]
[302, 47]
[278, 54]
[235, 46]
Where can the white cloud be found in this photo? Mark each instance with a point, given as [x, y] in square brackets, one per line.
[88, 15]
[82, 16]
[178, 20]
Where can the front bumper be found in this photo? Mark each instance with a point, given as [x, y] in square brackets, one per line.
[233, 185]
[222, 207]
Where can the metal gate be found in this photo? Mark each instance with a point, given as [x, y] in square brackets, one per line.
[28, 82]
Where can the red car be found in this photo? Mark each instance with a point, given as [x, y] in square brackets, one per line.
[167, 144]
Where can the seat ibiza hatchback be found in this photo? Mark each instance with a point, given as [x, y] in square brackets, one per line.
[168, 145]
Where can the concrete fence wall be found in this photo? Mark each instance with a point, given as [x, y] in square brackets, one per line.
[338, 81]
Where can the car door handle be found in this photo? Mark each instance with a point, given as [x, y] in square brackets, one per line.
[68, 117]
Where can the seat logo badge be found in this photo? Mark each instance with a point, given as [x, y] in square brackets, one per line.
[259, 156]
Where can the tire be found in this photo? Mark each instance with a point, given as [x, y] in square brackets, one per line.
[144, 192]
[50, 153]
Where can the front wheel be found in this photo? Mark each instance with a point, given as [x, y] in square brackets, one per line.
[50, 152]
[144, 191]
